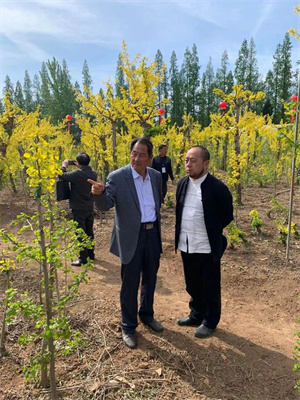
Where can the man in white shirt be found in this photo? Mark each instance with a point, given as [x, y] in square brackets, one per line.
[135, 191]
[203, 209]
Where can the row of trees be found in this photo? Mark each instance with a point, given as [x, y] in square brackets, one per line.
[186, 90]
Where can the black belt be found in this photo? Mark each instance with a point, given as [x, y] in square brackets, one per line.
[148, 225]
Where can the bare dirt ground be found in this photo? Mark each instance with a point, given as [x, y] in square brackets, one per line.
[248, 358]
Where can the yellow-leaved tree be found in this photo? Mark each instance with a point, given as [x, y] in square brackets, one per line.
[238, 99]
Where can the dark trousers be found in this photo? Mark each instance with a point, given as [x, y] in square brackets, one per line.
[203, 283]
[145, 264]
[164, 188]
[85, 221]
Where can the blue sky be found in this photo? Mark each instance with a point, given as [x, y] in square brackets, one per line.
[35, 31]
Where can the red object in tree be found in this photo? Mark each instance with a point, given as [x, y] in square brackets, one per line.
[293, 98]
[161, 112]
[223, 105]
[69, 118]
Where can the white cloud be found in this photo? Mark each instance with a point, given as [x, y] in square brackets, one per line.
[265, 13]
[25, 23]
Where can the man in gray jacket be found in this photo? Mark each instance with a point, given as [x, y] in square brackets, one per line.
[81, 200]
[136, 193]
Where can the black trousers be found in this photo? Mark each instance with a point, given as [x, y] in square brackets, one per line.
[145, 264]
[85, 221]
[203, 283]
[164, 188]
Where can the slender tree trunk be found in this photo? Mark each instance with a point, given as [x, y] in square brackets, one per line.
[237, 149]
[12, 182]
[44, 381]
[48, 298]
[3, 333]
[114, 143]
[224, 155]
[105, 163]
[53, 269]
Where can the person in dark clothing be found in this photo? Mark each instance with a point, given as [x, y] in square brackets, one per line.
[162, 163]
[203, 209]
[81, 200]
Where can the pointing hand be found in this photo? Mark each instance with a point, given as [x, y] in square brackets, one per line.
[97, 188]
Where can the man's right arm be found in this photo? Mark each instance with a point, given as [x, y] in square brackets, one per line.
[101, 198]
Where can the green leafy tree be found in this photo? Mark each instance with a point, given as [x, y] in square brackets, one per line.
[162, 88]
[282, 78]
[190, 80]
[268, 88]
[87, 80]
[19, 97]
[27, 91]
[36, 91]
[8, 88]
[120, 78]
[286, 72]
[222, 74]
[159, 65]
[252, 73]
[58, 97]
[176, 107]
[241, 64]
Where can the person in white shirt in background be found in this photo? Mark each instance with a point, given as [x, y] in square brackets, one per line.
[203, 209]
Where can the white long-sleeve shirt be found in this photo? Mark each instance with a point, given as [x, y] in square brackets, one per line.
[193, 235]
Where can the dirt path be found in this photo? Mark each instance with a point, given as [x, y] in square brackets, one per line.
[248, 358]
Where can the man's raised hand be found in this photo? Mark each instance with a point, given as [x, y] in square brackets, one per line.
[97, 188]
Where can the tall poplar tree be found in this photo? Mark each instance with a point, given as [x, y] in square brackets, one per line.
[276, 84]
[120, 78]
[19, 97]
[190, 80]
[252, 73]
[268, 88]
[282, 72]
[162, 88]
[46, 97]
[222, 73]
[176, 107]
[58, 97]
[36, 91]
[27, 91]
[87, 80]
[8, 87]
[207, 100]
[160, 62]
[286, 71]
[241, 64]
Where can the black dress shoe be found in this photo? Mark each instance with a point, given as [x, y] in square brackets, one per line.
[129, 339]
[187, 321]
[203, 331]
[154, 325]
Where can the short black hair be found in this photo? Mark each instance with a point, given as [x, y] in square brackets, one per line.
[83, 159]
[145, 141]
[162, 146]
[204, 152]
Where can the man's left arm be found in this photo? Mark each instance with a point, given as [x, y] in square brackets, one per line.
[171, 171]
[226, 206]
